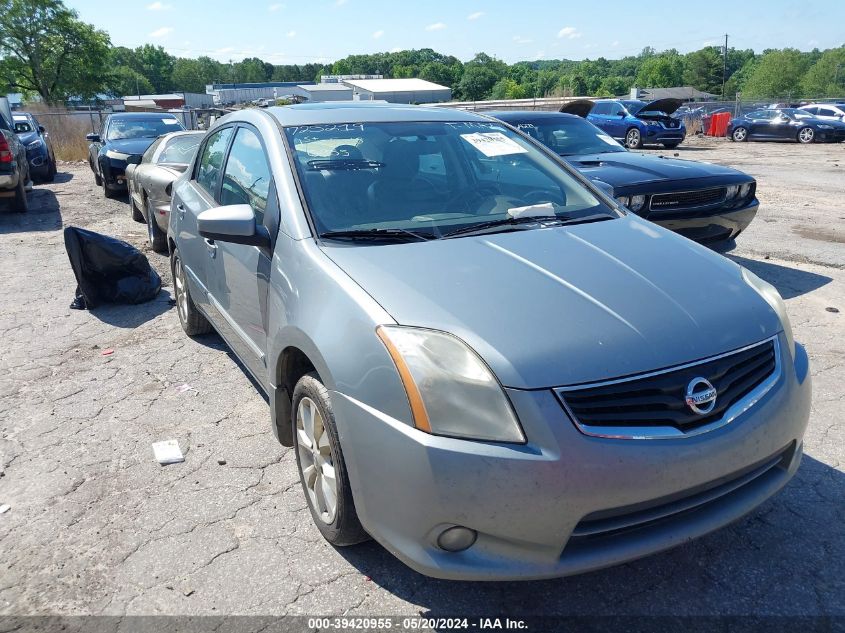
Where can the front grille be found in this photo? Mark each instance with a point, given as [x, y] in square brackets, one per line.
[654, 405]
[687, 199]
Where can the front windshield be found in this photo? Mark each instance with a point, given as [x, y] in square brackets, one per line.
[430, 178]
[180, 150]
[121, 129]
[569, 136]
[633, 106]
[22, 125]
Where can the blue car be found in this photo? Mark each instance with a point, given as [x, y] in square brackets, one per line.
[39, 147]
[124, 134]
[632, 122]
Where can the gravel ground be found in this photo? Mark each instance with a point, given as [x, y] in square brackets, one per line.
[96, 526]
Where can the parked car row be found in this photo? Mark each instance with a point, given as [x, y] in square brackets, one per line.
[635, 123]
[481, 358]
[786, 124]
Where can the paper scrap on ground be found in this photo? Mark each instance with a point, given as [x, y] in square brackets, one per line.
[543, 209]
[183, 388]
[168, 452]
[5, 508]
[493, 144]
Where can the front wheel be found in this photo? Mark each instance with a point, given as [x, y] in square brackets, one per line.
[633, 139]
[50, 176]
[322, 469]
[740, 134]
[806, 135]
[192, 320]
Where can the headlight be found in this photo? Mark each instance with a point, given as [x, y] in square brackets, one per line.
[744, 190]
[637, 203]
[623, 200]
[652, 123]
[450, 389]
[773, 298]
[732, 191]
[116, 155]
[34, 145]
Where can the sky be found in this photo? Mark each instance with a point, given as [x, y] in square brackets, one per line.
[297, 31]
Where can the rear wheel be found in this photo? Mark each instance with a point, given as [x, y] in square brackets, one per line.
[133, 208]
[740, 134]
[633, 139]
[157, 237]
[20, 203]
[193, 322]
[322, 469]
[806, 135]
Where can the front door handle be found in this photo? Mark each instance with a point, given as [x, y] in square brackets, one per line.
[211, 247]
[181, 209]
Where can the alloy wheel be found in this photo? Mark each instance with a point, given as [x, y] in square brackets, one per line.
[315, 460]
[740, 134]
[633, 138]
[806, 135]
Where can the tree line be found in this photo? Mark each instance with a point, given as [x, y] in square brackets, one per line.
[46, 50]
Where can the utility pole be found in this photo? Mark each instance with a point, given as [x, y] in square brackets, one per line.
[725, 67]
[836, 77]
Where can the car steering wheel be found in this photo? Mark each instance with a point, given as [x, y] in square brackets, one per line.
[540, 197]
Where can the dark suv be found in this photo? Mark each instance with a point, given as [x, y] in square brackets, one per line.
[123, 135]
[14, 168]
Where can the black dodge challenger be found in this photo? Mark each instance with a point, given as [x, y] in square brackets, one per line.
[704, 202]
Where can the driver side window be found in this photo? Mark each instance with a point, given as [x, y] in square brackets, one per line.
[246, 179]
[211, 161]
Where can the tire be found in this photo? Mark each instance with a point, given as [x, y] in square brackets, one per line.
[740, 134]
[192, 320]
[107, 193]
[157, 237]
[51, 170]
[20, 203]
[806, 135]
[97, 180]
[339, 525]
[135, 212]
[633, 138]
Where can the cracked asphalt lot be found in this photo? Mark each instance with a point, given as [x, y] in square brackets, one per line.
[96, 526]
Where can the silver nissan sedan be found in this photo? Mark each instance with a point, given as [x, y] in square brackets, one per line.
[482, 361]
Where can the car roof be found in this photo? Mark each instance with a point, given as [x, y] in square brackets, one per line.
[141, 115]
[530, 115]
[357, 112]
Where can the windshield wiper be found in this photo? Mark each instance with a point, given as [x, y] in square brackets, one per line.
[535, 219]
[402, 235]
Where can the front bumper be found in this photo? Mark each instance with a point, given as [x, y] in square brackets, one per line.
[533, 505]
[113, 172]
[715, 225]
[659, 134]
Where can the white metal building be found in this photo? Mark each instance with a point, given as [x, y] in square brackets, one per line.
[316, 93]
[398, 90]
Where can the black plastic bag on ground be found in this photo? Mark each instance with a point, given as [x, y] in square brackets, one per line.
[108, 270]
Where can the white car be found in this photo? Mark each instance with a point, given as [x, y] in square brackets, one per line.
[828, 111]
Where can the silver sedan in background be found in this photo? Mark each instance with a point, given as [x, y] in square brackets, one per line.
[150, 177]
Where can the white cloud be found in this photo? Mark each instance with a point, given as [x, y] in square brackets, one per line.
[475, 16]
[276, 7]
[615, 43]
[437, 26]
[521, 40]
[378, 34]
[539, 55]
[396, 49]
[813, 43]
[569, 32]
[291, 33]
[162, 32]
[339, 3]
[159, 6]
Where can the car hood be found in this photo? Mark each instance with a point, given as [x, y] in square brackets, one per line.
[578, 107]
[661, 105]
[27, 137]
[629, 169]
[129, 145]
[567, 305]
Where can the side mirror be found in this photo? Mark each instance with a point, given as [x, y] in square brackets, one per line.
[233, 223]
[134, 159]
[623, 114]
[94, 138]
[42, 129]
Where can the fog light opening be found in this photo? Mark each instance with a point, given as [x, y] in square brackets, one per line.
[456, 539]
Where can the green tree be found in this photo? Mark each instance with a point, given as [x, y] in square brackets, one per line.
[826, 78]
[661, 71]
[614, 86]
[156, 64]
[46, 49]
[123, 81]
[703, 70]
[480, 75]
[778, 73]
[507, 89]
